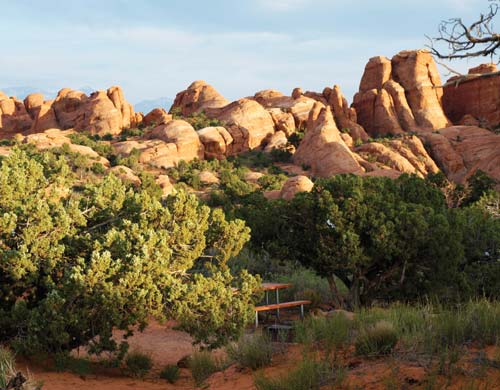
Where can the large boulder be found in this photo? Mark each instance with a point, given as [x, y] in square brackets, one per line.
[216, 141]
[477, 96]
[183, 135]
[157, 116]
[248, 123]
[323, 148]
[295, 185]
[198, 97]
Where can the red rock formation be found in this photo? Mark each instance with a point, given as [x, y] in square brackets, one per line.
[400, 95]
[183, 135]
[474, 96]
[157, 116]
[216, 140]
[461, 150]
[323, 148]
[14, 118]
[198, 97]
[248, 123]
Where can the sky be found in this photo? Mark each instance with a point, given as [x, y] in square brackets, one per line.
[156, 48]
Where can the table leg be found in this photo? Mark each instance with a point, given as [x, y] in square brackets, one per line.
[277, 301]
[256, 319]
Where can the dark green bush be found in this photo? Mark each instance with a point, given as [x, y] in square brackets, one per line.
[170, 373]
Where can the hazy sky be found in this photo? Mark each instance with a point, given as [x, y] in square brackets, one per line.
[155, 48]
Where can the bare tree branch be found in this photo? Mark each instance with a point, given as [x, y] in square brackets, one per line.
[478, 39]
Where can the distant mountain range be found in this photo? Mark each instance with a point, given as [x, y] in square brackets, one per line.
[146, 106]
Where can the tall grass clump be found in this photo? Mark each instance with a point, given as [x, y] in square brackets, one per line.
[252, 351]
[377, 339]
[331, 332]
[170, 373]
[138, 364]
[10, 378]
[202, 365]
[309, 375]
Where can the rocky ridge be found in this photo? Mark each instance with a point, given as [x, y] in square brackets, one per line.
[418, 124]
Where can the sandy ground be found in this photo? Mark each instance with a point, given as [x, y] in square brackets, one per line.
[168, 346]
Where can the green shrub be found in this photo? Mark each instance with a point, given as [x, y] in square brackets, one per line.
[309, 375]
[98, 168]
[138, 364]
[378, 339]
[170, 373]
[252, 351]
[63, 361]
[306, 284]
[202, 365]
[272, 182]
[281, 155]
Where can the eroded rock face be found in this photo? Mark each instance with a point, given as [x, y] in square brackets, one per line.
[14, 118]
[103, 112]
[198, 97]
[400, 95]
[323, 148]
[477, 97]
[461, 150]
[295, 185]
[248, 123]
[216, 141]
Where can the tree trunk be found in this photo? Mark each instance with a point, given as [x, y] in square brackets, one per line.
[335, 292]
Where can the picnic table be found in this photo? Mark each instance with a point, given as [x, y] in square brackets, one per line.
[276, 287]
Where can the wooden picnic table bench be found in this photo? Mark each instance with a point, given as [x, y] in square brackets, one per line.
[278, 305]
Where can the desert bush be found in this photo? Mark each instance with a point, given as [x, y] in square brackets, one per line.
[170, 373]
[107, 255]
[253, 351]
[309, 375]
[272, 182]
[202, 365]
[138, 364]
[377, 339]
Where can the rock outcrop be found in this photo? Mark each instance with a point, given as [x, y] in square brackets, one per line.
[216, 141]
[183, 136]
[157, 116]
[323, 148]
[248, 123]
[198, 97]
[476, 96]
[400, 95]
[461, 150]
[294, 185]
[103, 112]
